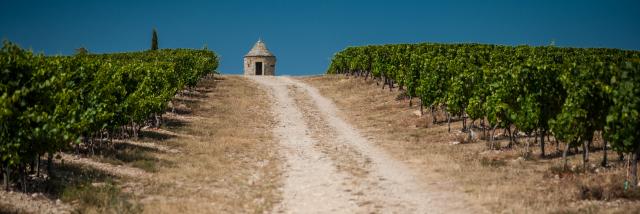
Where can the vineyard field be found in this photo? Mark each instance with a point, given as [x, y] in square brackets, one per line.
[53, 103]
[573, 95]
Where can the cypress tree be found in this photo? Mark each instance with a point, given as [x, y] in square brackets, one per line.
[154, 40]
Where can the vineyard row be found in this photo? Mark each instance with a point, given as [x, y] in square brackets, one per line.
[49, 103]
[569, 93]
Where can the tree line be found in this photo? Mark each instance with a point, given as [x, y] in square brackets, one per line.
[572, 94]
[50, 103]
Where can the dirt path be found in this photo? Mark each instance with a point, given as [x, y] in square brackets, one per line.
[331, 168]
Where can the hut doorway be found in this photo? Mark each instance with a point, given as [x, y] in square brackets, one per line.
[258, 68]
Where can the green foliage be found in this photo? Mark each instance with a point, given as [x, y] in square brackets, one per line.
[623, 120]
[46, 103]
[571, 92]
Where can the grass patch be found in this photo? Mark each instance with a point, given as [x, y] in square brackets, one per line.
[492, 162]
[146, 165]
[99, 198]
[132, 155]
[92, 191]
[591, 192]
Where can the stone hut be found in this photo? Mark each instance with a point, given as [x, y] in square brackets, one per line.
[259, 60]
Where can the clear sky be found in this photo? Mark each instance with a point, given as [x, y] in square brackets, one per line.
[305, 34]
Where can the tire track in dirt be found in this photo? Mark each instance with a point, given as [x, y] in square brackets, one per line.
[311, 182]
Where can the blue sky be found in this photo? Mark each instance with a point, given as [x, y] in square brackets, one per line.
[305, 34]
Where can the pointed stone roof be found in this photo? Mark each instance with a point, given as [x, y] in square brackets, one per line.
[259, 49]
